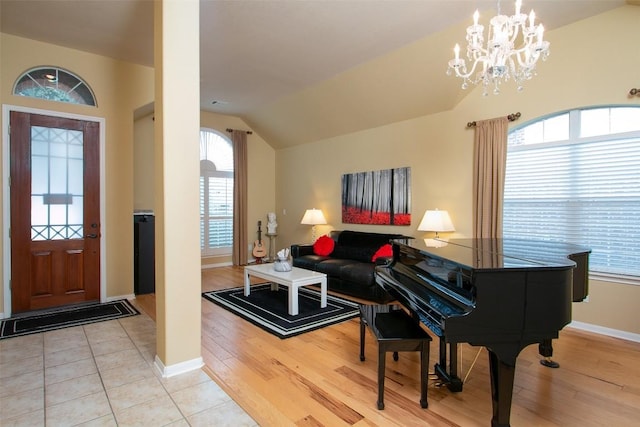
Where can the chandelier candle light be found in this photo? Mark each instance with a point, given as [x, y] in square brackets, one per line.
[501, 59]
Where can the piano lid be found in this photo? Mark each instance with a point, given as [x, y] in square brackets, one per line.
[500, 254]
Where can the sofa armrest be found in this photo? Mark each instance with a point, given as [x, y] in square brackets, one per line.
[384, 260]
[301, 250]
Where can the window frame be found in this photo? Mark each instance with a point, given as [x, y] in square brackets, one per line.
[207, 172]
[575, 140]
[52, 83]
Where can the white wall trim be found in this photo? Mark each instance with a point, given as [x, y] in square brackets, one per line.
[614, 333]
[216, 265]
[6, 208]
[178, 368]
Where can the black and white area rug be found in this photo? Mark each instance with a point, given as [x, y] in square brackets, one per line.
[268, 309]
[65, 318]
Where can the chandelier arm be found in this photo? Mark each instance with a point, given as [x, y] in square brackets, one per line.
[516, 33]
[523, 62]
[481, 55]
[471, 71]
[519, 50]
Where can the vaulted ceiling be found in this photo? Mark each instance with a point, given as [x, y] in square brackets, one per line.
[297, 71]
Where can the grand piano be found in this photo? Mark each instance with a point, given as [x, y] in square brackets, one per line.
[500, 294]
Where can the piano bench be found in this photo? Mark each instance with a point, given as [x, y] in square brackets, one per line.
[395, 331]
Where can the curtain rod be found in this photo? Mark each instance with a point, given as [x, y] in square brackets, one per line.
[511, 117]
[248, 132]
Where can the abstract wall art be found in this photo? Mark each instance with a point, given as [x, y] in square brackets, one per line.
[377, 197]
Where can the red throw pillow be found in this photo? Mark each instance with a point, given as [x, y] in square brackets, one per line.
[323, 246]
[384, 251]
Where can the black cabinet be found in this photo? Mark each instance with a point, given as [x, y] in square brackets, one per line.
[144, 265]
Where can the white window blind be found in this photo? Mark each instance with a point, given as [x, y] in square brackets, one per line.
[216, 194]
[220, 220]
[585, 190]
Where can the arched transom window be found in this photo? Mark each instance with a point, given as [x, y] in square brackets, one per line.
[54, 84]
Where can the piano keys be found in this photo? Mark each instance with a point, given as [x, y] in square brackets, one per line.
[500, 294]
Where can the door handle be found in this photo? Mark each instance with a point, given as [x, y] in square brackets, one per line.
[91, 236]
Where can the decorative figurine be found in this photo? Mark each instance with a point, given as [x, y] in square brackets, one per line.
[271, 223]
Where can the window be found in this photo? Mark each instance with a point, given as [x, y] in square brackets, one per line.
[575, 177]
[216, 194]
[54, 84]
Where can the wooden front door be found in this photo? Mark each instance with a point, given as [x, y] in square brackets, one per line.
[55, 211]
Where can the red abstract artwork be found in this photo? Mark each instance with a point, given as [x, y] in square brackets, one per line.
[378, 197]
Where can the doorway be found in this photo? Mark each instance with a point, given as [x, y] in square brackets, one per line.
[55, 210]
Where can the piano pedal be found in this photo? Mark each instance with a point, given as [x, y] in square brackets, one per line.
[549, 363]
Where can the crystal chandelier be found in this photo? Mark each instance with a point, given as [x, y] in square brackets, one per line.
[501, 59]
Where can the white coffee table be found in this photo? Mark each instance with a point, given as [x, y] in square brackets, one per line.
[293, 279]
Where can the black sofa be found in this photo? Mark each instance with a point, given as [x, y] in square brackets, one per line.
[349, 267]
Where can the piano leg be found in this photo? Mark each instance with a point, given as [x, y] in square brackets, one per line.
[450, 377]
[362, 335]
[502, 375]
[545, 348]
[453, 360]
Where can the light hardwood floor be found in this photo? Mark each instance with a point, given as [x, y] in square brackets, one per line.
[317, 379]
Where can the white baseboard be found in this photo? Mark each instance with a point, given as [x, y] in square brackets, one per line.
[178, 368]
[220, 264]
[596, 329]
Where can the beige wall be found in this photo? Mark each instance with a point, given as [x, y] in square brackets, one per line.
[593, 62]
[120, 88]
[143, 167]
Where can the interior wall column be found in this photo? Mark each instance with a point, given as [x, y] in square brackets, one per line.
[176, 181]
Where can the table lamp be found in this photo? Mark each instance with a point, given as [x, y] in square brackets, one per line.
[313, 217]
[438, 221]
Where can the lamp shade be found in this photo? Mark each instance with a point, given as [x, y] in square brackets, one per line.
[313, 217]
[436, 220]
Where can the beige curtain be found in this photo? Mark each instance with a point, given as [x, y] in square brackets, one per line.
[489, 164]
[240, 254]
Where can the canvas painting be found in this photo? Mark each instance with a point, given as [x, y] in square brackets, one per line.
[377, 197]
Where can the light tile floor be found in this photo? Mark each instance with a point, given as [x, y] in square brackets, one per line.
[102, 374]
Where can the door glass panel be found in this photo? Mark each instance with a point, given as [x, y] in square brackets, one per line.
[75, 185]
[57, 197]
[39, 172]
[38, 211]
[38, 146]
[57, 177]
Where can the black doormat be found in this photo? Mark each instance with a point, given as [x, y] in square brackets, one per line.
[66, 318]
[268, 309]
